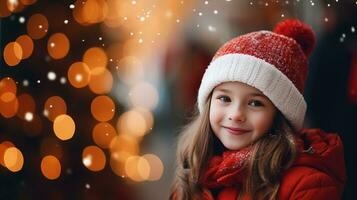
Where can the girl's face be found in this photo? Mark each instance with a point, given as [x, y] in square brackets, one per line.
[240, 114]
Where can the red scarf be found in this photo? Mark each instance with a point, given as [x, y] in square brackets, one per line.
[226, 170]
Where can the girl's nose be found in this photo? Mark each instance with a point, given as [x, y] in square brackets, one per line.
[237, 114]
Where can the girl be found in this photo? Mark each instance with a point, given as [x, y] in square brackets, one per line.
[247, 140]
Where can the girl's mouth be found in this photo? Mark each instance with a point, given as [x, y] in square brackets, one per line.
[236, 131]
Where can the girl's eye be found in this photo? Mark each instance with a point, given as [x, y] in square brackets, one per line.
[255, 103]
[224, 98]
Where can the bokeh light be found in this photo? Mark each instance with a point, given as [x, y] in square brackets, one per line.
[103, 133]
[9, 109]
[55, 106]
[26, 44]
[3, 147]
[103, 108]
[4, 10]
[64, 127]
[51, 167]
[145, 95]
[156, 167]
[130, 70]
[93, 11]
[124, 143]
[13, 159]
[101, 83]
[26, 105]
[133, 123]
[58, 45]
[137, 168]
[12, 53]
[93, 158]
[37, 26]
[96, 59]
[79, 74]
[28, 2]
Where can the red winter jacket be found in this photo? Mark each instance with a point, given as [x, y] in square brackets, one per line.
[315, 175]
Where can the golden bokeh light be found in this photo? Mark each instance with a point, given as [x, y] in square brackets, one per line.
[130, 70]
[3, 147]
[123, 145]
[37, 26]
[156, 167]
[96, 59]
[26, 105]
[12, 53]
[117, 164]
[26, 44]
[4, 10]
[7, 84]
[145, 95]
[143, 168]
[13, 159]
[93, 11]
[58, 45]
[79, 74]
[55, 106]
[101, 83]
[133, 123]
[64, 127]
[15, 6]
[51, 167]
[93, 158]
[28, 2]
[102, 108]
[103, 133]
[9, 109]
[137, 168]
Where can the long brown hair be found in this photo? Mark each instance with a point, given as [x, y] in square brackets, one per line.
[271, 154]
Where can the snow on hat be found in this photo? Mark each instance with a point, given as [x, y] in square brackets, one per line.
[273, 62]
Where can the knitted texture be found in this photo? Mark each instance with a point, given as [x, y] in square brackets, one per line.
[273, 63]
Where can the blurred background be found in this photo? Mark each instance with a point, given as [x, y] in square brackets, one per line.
[93, 93]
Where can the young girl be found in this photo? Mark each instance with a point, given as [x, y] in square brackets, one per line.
[247, 140]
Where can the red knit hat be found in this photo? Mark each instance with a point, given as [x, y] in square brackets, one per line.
[273, 62]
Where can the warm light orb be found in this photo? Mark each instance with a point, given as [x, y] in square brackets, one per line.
[101, 83]
[8, 84]
[28, 2]
[144, 95]
[137, 168]
[103, 108]
[9, 109]
[13, 159]
[79, 74]
[12, 53]
[130, 70]
[58, 45]
[133, 123]
[51, 167]
[26, 44]
[96, 59]
[4, 10]
[102, 134]
[3, 147]
[55, 106]
[123, 143]
[26, 105]
[64, 127]
[93, 158]
[37, 26]
[156, 167]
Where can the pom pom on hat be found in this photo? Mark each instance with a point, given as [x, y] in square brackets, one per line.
[299, 31]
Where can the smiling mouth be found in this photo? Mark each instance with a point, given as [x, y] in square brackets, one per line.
[236, 131]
